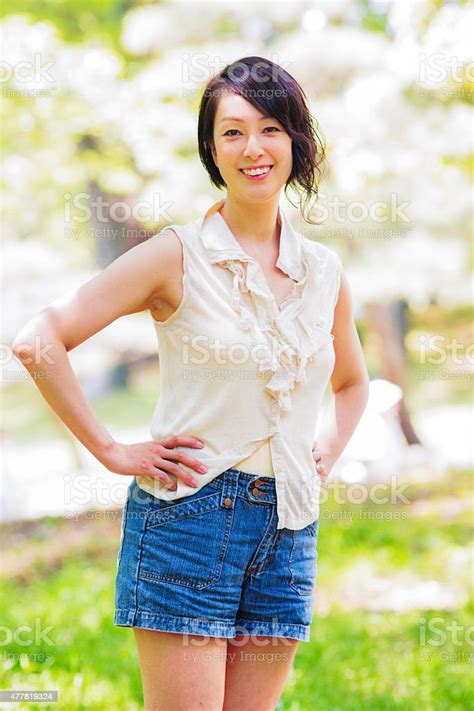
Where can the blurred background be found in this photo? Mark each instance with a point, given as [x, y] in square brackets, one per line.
[99, 119]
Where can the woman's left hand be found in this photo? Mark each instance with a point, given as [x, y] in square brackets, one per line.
[322, 466]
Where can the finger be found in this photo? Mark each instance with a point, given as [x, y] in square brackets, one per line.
[322, 474]
[184, 458]
[181, 441]
[162, 477]
[175, 470]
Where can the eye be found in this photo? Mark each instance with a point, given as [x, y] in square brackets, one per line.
[234, 129]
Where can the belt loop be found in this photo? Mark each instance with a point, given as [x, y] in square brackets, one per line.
[229, 489]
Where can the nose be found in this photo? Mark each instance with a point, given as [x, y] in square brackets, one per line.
[253, 149]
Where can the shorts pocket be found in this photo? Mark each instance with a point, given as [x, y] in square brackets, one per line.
[185, 543]
[164, 510]
[303, 559]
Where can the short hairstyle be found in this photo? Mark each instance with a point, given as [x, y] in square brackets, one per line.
[276, 94]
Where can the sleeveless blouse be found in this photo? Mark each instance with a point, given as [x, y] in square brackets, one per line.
[237, 369]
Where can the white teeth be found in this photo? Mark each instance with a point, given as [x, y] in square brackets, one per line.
[257, 171]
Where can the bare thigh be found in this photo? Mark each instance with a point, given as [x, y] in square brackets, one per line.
[257, 669]
[181, 672]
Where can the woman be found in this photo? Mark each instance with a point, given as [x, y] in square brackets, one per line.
[217, 560]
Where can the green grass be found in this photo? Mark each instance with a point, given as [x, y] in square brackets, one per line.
[373, 661]
[358, 659]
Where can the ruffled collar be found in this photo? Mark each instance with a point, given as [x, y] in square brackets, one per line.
[221, 244]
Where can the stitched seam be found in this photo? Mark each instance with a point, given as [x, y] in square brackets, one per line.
[259, 568]
[154, 520]
[137, 572]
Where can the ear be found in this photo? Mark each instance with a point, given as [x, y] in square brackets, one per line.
[213, 151]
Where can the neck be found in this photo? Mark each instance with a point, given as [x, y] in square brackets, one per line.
[255, 224]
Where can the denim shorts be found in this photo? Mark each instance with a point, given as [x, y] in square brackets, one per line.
[214, 563]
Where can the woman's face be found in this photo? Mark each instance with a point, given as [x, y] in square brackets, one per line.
[244, 138]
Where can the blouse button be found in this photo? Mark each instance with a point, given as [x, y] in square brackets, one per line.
[227, 502]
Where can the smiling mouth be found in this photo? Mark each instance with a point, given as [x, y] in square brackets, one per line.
[263, 173]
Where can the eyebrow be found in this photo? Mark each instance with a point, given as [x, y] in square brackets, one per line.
[239, 120]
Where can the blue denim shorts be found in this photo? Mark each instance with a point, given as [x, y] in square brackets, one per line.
[214, 563]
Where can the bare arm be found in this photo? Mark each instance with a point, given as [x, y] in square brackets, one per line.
[129, 285]
[349, 382]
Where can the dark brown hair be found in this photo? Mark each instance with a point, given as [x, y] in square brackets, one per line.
[276, 94]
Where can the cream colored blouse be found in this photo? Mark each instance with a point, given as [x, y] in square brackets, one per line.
[238, 370]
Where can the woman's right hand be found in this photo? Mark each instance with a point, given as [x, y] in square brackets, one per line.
[156, 458]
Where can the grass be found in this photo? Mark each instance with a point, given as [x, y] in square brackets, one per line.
[62, 573]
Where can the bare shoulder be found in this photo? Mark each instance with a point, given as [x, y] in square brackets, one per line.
[158, 262]
[167, 255]
[167, 245]
[163, 250]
